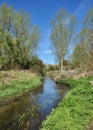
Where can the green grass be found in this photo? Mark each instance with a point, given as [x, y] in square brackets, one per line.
[15, 87]
[76, 109]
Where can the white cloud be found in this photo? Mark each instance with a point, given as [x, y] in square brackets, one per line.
[48, 52]
[81, 6]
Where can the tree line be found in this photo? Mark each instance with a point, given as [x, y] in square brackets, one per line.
[83, 52]
[63, 28]
[19, 40]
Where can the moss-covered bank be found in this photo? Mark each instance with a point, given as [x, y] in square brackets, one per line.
[76, 109]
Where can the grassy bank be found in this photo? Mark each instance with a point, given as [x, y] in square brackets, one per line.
[13, 83]
[76, 110]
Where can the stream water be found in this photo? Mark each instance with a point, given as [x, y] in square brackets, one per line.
[30, 110]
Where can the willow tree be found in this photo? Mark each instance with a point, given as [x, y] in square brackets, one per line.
[18, 37]
[62, 29]
[88, 24]
[83, 53]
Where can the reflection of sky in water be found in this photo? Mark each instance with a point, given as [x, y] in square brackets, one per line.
[49, 94]
[33, 110]
[49, 98]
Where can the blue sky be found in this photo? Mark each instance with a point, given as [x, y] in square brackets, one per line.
[42, 11]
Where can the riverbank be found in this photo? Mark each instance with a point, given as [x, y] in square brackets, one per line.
[75, 111]
[75, 74]
[15, 83]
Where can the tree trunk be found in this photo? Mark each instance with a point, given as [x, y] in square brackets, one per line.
[61, 64]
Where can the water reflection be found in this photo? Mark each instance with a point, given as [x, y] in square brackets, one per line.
[32, 109]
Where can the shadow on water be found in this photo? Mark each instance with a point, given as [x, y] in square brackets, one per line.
[29, 112]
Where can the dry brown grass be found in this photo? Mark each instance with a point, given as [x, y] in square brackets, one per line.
[7, 76]
[75, 74]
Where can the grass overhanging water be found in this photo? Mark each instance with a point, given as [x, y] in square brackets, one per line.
[19, 82]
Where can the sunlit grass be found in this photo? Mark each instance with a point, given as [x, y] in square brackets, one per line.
[76, 109]
[15, 83]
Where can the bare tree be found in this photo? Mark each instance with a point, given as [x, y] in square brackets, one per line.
[62, 29]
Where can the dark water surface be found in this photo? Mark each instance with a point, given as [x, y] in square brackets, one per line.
[29, 112]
